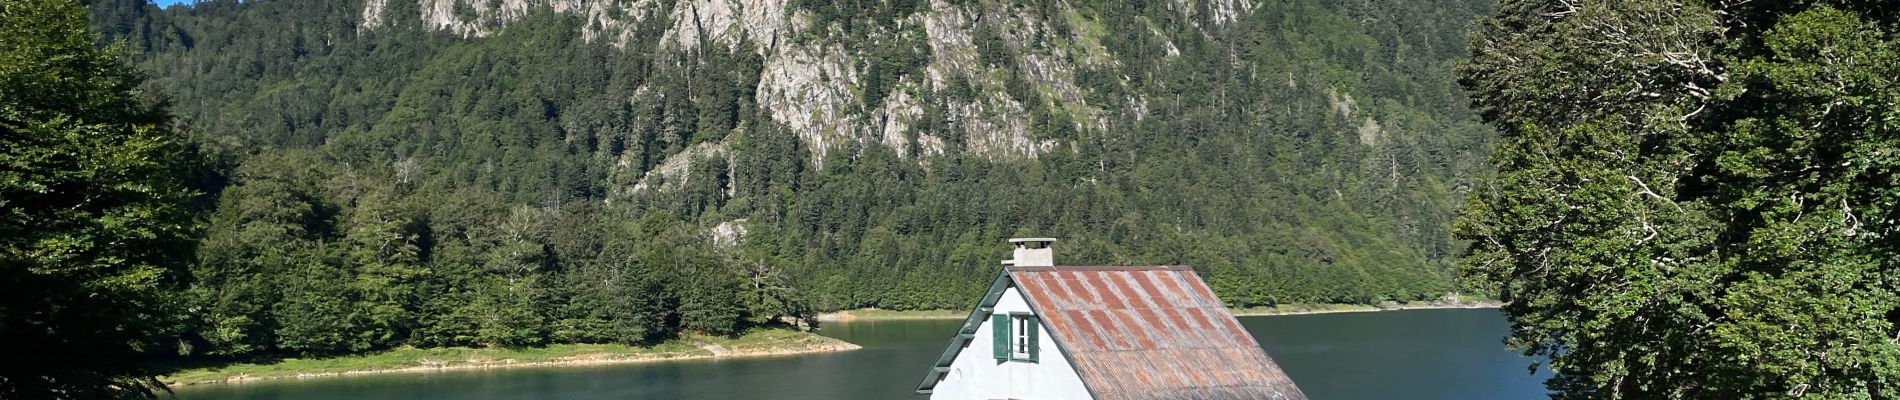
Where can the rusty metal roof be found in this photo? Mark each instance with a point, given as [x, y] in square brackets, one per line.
[1140, 333]
[1150, 333]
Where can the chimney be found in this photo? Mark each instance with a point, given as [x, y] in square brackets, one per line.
[1032, 252]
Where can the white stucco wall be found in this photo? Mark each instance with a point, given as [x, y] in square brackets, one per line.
[975, 375]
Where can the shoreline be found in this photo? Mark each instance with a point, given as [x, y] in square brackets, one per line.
[873, 314]
[771, 343]
[756, 344]
[1310, 309]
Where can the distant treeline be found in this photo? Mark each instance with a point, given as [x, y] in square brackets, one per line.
[398, 186]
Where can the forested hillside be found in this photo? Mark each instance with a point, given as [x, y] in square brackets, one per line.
[517, 172]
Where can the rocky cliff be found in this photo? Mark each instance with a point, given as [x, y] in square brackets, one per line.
[811, 84]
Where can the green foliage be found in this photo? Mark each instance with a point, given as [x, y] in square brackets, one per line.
[903, 55]
[1693, 200]
[533, 187]
[96, 212]
[990, 49]
[856, 19]
[463, 11]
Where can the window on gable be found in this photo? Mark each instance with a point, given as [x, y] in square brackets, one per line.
[1023, 337]
[1019, 348]
[1016, 336]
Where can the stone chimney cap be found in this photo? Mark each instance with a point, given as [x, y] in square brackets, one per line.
[1032, 252]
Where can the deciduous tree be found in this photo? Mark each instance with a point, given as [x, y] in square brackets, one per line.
[95, 212]
[1694, 199]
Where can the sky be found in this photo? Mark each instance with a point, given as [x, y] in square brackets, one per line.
[168, 3]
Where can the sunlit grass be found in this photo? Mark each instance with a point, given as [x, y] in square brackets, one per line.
[758, 341]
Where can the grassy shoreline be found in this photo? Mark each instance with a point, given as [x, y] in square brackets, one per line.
[873, 314]
[763, 342]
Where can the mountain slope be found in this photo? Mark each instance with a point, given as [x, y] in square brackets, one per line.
[501, 171]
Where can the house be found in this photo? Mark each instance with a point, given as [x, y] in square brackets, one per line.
[1073, 332]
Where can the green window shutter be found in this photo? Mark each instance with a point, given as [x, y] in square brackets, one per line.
[999, 324]
[1035, 341]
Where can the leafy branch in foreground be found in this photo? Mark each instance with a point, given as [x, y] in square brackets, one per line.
[95, 212]
[1693, 199]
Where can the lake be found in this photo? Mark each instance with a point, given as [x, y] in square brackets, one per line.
[1414, 354]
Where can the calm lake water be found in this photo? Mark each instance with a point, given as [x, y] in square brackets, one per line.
[1417, 354]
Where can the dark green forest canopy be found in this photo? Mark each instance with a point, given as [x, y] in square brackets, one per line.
[1694, 199]
[97, 211]
[516, 178]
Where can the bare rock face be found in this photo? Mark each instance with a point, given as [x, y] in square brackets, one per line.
[808, 89]
[1220, 12]
[373, 13]
[1227, 11]
[471, 17]
[901, 112]
[1342, 102]
[606, 19]
[1369, 132]
[810, 81]
[726, 21]
[676, 170]
[994, 124]
[729, 233]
